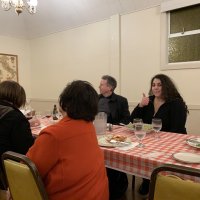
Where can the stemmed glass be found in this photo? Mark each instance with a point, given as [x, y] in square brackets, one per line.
[28, 110]
[156, 125]
[136, 121]
[139, 133]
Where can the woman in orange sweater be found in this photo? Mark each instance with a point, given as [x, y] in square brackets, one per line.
[67, 154]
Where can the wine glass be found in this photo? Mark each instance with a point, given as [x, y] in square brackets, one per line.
[47, 113]
[139, 133]
[156, 125]
[28, 110]
[137, 121]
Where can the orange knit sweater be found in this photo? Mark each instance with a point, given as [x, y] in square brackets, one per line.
[70, 161]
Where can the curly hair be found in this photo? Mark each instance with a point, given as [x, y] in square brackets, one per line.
[79, 100]
[169, 90]
[12, 92]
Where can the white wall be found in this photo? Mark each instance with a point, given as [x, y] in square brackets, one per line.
[140, 60]
[21, 48]
[81, 53]
[89, 51]
[127, 47]
[140, 51]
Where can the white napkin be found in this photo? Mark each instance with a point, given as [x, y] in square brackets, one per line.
[130, 146]
[25, 111]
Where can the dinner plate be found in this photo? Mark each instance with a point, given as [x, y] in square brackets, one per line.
[194, 142]
[103, 140]
[187, 157]
[146, 127]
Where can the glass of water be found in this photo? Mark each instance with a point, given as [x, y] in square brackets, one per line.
[137, 121]
[156, 125]
[139, 133]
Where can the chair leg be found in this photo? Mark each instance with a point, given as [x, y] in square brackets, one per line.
[133, 182]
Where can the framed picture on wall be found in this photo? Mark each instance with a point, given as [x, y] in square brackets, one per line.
[8, 67]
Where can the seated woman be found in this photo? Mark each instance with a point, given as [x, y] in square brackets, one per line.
[166, 103]
[67, 154]
[14, 127]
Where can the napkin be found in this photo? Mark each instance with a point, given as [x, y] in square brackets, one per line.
[130, 146]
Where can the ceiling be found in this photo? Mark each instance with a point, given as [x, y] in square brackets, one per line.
[58, 15]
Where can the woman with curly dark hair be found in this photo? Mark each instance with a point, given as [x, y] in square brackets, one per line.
[164, 102]
[67, 154]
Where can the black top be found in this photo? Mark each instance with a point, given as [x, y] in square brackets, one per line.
[15, 132]
[172, 113]
[118, 109]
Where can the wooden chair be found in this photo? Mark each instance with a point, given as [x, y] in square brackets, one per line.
[22, 177]
[172, 187]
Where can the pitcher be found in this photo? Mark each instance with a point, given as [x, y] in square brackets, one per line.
[100, 123]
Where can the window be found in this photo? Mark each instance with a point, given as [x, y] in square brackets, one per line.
[181, 47]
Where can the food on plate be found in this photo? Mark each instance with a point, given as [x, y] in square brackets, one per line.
[146, 127]
[118, 138]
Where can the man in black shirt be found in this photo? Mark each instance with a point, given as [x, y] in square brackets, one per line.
[116, 108]
[114, 105]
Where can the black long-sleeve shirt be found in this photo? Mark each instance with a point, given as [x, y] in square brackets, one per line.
[118, 109]
[15, 132]
[172, 113]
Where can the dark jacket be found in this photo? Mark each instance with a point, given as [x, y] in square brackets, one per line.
[119, 112]
[15, 132]
[172, 113]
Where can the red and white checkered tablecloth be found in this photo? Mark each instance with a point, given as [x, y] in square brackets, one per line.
[44, 123]
[142, 161]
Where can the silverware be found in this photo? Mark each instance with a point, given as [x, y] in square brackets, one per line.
[121, 124]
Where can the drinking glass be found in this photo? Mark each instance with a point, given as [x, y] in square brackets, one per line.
[137, 121]
[47, 113]
[100, 123]
[139, 133]
[156, 125]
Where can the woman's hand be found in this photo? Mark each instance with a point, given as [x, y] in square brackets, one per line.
[144, 101]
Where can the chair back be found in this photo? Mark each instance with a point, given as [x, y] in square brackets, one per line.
[165, 187]
[3, 185]
[22, 177]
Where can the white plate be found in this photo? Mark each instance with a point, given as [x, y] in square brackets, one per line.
[187, 157]
[103, 140]
[146, 127]
[194, 142]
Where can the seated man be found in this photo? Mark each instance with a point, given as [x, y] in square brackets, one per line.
[117, 111]
[114, 105]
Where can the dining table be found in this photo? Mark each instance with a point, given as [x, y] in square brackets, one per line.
[141, 161]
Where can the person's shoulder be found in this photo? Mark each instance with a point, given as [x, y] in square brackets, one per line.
[177, 103]
[120, 97]
[11, 112]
